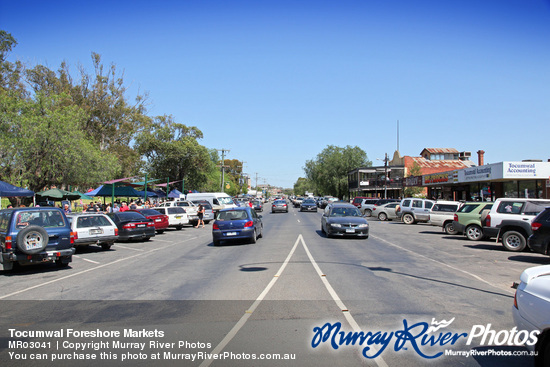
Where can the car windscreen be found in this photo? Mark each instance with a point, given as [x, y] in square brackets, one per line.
[149, 212]
[232, 215]
[345, 212]
[225, 200]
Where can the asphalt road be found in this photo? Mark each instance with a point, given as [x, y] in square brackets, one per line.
[273, 299]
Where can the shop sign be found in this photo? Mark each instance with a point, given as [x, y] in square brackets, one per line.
[436, 178]
[413, 181]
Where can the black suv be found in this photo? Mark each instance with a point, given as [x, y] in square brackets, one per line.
[35, 235]
[539, 241]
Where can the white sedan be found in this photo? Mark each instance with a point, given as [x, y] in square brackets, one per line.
[93, 229]
[531, 310]
[177, 216]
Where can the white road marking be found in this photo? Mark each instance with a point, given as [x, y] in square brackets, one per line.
[129, 248]
[248, 313]
[347, 314]
[88, 260]
[444, 264]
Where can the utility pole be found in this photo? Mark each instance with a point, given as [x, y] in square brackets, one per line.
[223, 165]
[386, 176]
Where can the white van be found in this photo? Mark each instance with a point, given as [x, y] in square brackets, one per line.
[218, 200]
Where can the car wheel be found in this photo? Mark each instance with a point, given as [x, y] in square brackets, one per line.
[513, 241]
[408, 219]
[254, 237]
[216, 242]
[367, 212]
[147, 238]
[322, 229]
[160, 231]
[474, 232]
[106, 246]
[32, 239]
[179, 228]
[449, 229]
[382, 216]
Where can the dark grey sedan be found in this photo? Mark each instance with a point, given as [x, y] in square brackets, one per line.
[343, 219]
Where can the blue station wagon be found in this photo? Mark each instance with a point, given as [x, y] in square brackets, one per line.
[35, 235]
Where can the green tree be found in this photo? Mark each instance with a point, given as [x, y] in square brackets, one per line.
[302, 185]
[414, 170]
[171, 151]
[47, 144]
[329, 171]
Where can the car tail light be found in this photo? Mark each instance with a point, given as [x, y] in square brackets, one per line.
[455, 218]
[488, 220]
[116, 231]
[516, 300]
[129, 225]
[535, 226]
[373, 209]
[73, 237]
[8, 242]
[284, 205]
[215, 226]
[249, 224]
[398, 209]
[150, 224]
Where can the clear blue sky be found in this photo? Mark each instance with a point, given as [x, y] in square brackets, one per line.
[275, 82]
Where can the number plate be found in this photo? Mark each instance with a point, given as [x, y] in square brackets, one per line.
[96, 231]
[178, 216]
[33, 245]
[350, 230]
[141, 225]
[231, 234]
[158, 220]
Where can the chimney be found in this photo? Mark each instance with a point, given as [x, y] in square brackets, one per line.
[480, 154]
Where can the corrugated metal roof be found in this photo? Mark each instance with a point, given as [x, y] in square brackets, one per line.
[443, 164]
[439, 150]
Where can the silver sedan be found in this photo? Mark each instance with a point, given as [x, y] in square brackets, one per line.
[386, 211]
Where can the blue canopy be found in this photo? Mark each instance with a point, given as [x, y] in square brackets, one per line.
[8, 190]
[107, 190]
[150, 194]
[174, 194]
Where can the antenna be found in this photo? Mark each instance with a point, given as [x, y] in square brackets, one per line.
[397, 135]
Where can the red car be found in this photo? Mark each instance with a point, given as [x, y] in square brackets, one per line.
[160, 220]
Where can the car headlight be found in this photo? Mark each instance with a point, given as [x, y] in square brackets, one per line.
[336, 225]
[365, 225]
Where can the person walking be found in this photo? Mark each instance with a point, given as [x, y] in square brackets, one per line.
[200, 213]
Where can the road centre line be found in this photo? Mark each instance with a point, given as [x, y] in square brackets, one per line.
[351, 321]
[444, 264]
[218, 349]
[95, 268]
[248, 313]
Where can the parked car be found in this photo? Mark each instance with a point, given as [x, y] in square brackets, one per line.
[510, 219]
[93, 229]
[367, 205]
[237, 224]
[357, 201]
[190, 209]
[413, 210]
[469, 218]
[208, 210]
[539, 241]
[279, 206]
[386, 211]
[442, 215]
[177, 217]
[531, 311]
[35, 235]
[133, 225]
[160, 220]
[344, 219]
[308, 205]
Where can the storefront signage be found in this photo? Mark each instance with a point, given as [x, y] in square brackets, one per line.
[413, 181]
[436, 178]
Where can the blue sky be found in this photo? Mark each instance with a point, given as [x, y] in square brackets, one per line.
[275, 82]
